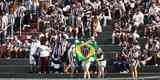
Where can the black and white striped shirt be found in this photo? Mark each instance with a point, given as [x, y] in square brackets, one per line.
[20, 11]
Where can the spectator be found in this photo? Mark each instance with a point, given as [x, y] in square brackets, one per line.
[81, 19]
[4, 26]
[95, 25]
[33, 56]
[11, 22]
[56, 64]
[26, 47]
[44, 53]
[101, 62]
[19, 14]
[71, 57]
[106, 16]
[153, 10]
[133, 57]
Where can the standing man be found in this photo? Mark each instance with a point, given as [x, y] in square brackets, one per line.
[71, 58]
[33, 56]
[4, 25]
[19, 14]
[11, 21]
[44, 51]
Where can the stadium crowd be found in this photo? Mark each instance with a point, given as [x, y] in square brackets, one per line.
[51, 28]
[47, 32]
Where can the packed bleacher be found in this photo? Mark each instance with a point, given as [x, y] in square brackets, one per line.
[60, 35]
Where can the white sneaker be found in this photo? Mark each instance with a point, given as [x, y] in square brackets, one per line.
[124, 72]
[156, 65]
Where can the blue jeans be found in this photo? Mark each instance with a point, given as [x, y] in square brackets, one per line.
[71, 20]
[104, 21]
[2, 37]
[146, 4]
[66, 2]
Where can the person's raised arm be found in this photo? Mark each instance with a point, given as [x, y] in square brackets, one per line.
[109, 14]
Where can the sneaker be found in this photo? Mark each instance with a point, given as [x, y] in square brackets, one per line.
[8, 58]
[39, 73]
[156, 65]
[124, 72]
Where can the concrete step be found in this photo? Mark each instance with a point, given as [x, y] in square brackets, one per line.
[111, 68]
[104, 41]
[107, 35]
[110, 55]
[108, 40]
[14, 61]
[151, 68]
[118, 76]
[107, 32]
[109, 48]
[104, 38]
[15, 68]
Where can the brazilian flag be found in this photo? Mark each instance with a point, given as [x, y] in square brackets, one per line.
[91, 47]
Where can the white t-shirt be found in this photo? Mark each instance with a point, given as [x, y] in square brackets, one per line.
[4, 22]
[87, 1]
[132, 5]
[20, 11]
[138, 18]
[136, 54]
[136, 35]
[34, 46]
[44, 51]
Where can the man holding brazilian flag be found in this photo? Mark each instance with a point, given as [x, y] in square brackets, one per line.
[86, 52]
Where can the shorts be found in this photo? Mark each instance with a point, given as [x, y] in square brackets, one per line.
[102, 63]
[86, 65]
[134, 64]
